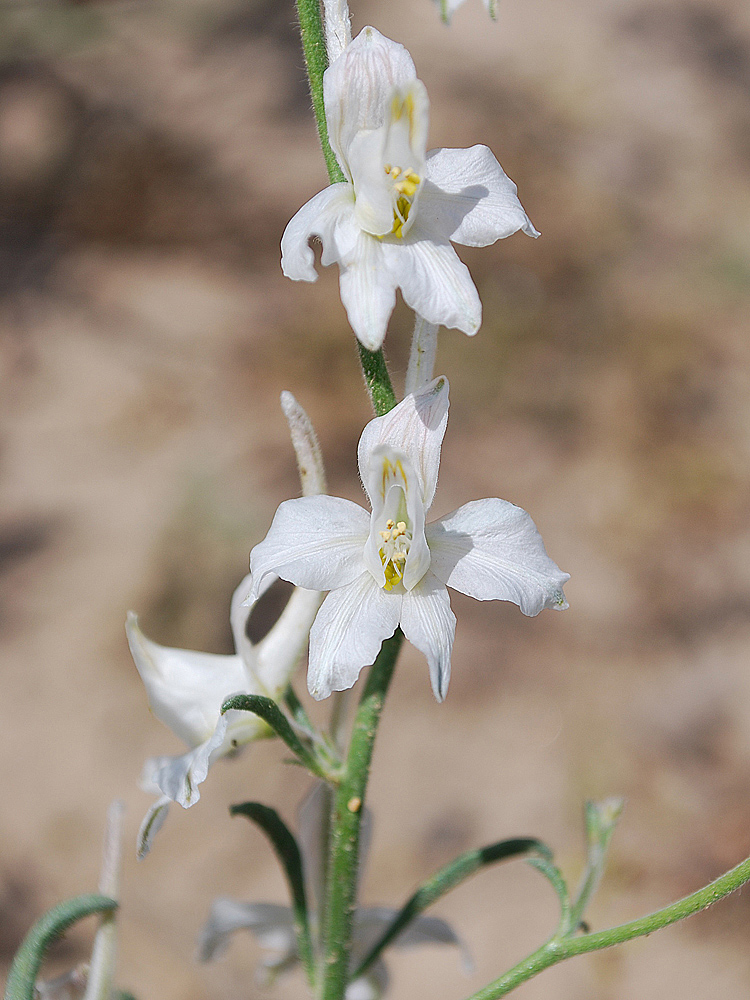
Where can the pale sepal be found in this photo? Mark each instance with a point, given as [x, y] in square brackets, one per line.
[491, 550]
[317, 217]
[429, 624]
[313, 542]
[469, 198]
[348, 632]
[271, 924]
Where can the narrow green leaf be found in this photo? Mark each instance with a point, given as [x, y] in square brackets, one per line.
[28, 961]
[447, 878]
[287, 851]
[600, 820]
[554, 876]
[270, 712]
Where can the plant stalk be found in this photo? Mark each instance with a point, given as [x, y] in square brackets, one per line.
[559, 948]
[346, 818]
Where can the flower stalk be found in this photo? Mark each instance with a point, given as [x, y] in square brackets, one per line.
[560, 947]
[346, 818]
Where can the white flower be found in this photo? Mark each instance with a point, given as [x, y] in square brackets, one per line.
[273, 925]
[186, 689]
[390, 224]
[389, 568]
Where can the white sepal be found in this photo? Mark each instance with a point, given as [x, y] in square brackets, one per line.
[491, 550]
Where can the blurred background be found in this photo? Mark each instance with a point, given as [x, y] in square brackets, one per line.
[150, 156]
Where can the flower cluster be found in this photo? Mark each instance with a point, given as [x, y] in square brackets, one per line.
[389, 224]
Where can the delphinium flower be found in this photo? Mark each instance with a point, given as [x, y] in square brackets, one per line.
[273, 924]
[389, 568]
[186, 688]
[390, 223]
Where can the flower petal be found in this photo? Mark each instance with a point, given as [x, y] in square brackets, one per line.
[271, 924]
[348, 633]
[314, 542]
[357, 88]
[415, 426]
[469, 198]
[429, 624]
[318, 217]
[491, 550]
[185, 688]
[432, 279]
[368, 291]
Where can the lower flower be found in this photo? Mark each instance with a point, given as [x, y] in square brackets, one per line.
[389, 568]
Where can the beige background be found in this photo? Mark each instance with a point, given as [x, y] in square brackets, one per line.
[149, 160]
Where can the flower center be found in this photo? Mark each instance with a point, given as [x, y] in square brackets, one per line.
[405, 185]
[393, 551]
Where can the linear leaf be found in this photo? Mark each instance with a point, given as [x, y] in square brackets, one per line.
[287, 850]
[446, 879]
[270, 712]
[28, 961]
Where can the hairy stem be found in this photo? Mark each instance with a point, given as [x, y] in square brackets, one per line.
[559, 948]
[346, 820]
[374, 369]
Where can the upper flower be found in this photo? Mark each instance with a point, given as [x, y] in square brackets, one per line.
[390, 223]
[390, 568]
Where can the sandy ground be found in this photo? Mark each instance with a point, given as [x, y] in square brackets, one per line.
[148, 163]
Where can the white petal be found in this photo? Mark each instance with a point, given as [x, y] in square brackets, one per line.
[348, 633]
[415, 426]
[368, 291]
[185, 688]
[312, 474]
[272, 925]
[152, 823]
[429, 624]
[314, 542]
[432, 279]
[318, 217]
[491, 550]
[469, 198]
[357, 87]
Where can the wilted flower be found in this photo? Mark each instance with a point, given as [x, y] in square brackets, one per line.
[389, 568]
[273, 925]
[390, 224]
[186, 689]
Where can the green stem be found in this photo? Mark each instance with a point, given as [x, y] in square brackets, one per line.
[316, 61]
[346, 821]
[557, 949]
[377, 380]
[374, 369]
